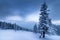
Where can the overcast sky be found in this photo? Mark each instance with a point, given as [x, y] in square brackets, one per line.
[27, 10]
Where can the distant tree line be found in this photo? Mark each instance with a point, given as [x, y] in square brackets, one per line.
[4, 25]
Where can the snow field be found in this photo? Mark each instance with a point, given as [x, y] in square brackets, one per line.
[24, 35]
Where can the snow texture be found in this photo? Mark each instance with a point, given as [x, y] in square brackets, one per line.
[24, 35]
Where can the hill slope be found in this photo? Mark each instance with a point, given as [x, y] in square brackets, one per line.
[24, 35]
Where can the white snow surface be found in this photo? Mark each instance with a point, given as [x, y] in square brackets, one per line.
[24, 35]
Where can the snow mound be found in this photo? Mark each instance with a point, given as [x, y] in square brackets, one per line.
[24, 35]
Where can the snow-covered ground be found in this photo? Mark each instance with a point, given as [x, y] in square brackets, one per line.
[24, 35]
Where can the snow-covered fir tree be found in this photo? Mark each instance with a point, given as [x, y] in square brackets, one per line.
[44, 20]
[35, 28]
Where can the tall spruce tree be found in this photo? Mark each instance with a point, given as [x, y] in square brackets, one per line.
[44, 20]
